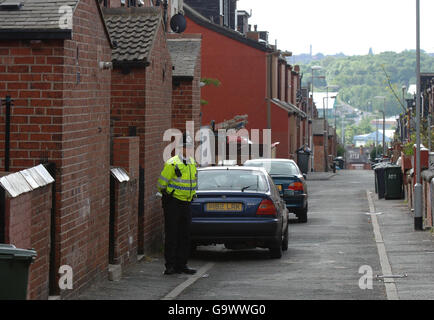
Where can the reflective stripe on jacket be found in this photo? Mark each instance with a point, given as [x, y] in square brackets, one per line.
[184, 187]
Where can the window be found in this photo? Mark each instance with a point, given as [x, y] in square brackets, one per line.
[275, 167]
[226, 12]
[234, 180]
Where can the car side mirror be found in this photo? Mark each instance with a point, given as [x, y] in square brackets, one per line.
[305, 176]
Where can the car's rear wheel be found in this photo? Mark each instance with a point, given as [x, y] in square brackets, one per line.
[276, 249]
[302, 215]
[193, 248]
[285, 240]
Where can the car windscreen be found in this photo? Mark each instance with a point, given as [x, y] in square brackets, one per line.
[236, 180]
[275, 167]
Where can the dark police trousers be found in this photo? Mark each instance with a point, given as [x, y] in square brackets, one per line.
[177, 221]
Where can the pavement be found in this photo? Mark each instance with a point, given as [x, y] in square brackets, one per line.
[141, 281]
[409, 252]
[322, 262]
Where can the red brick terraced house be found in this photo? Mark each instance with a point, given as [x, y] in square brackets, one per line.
[141, 104]
[245, 68]
[91, 92]
[185, 52]
[51, 58]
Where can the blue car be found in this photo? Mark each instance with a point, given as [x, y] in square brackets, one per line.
[239, 207]
[290, 182]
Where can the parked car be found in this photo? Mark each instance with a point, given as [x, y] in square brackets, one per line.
[239, 207]
[290, 182]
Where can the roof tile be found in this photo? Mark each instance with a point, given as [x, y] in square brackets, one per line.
[133, 29]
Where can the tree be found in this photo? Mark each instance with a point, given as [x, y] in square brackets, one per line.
[207, 82]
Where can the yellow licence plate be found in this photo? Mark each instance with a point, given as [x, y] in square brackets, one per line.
[279, 187]
[224, 206]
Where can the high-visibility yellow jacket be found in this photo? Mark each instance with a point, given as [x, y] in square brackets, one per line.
[182, 188]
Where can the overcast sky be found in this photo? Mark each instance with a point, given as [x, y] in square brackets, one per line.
[348, 26]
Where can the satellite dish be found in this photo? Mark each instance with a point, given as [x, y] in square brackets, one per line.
[178, 23]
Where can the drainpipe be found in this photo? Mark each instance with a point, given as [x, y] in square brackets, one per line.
[269, 80]
[8, 103]
[165, 5]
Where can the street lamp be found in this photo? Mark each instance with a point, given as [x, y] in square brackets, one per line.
[384, 123]
[342, 120]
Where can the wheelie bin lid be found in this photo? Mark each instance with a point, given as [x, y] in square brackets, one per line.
[9, 251]
[304, 150]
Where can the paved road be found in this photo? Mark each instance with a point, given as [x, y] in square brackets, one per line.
[322, 262]
[323, 259]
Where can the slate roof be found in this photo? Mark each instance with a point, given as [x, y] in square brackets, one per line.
[39, 19]
[35, 17]
[203, 21]
[34, 14]
[184, 53]
[133, 31]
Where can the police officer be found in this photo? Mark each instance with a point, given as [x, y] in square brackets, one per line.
[178, 184]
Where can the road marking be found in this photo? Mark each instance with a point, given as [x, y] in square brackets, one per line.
[392, 293]
[180, 288]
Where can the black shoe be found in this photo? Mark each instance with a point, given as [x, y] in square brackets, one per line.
[170, 270]
[186, 270]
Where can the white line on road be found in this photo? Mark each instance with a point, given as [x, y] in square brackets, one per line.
[180, 288]
[392, 293]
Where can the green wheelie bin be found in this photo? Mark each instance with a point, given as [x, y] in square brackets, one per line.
[14, 271]
[380, 180]
[393, 183]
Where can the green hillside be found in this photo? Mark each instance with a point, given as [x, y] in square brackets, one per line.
[361, 78]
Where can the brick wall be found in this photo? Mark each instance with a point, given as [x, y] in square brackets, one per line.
[31, 73]
[83, 179]
[28, 226]
[128, 110]
[186, 94]
[143, 99]
[57, 119]
[125, 222]
[318, 142]
[196, 116]
[182, 104]
[186, 105]
[158, 119]
[128, 104]
[126, 155]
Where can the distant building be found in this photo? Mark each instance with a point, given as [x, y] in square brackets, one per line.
[357, 158]
[389, 123]
[329, 100]
[364, 139]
